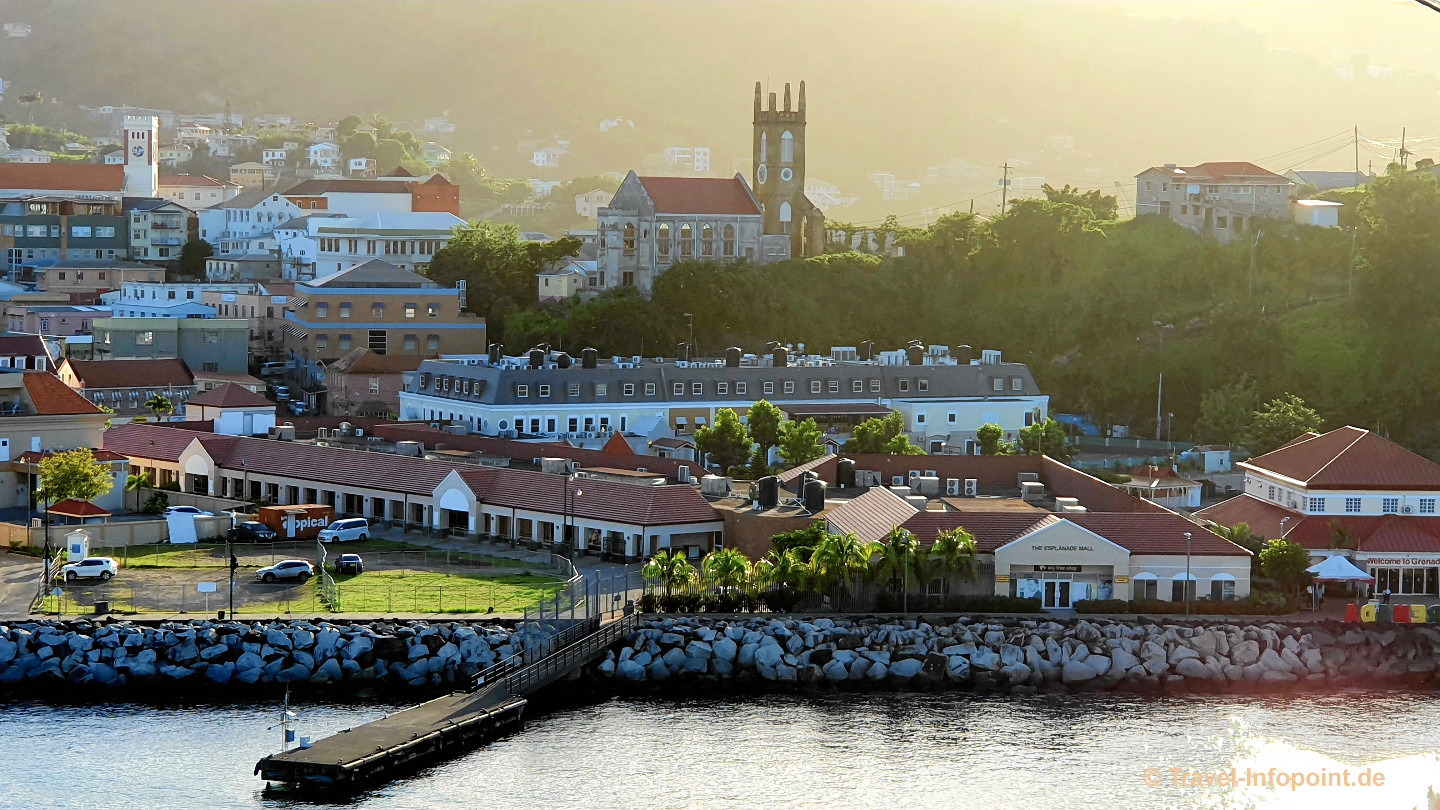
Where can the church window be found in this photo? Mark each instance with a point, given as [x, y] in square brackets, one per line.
[687, 241]
[786, 175]
[784, 217]
[662, 244]
[707, 241]
[629, 239]
[729, 241]
[764, 146]
[787, 147]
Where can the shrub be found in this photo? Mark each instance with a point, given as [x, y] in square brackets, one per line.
[156, 504]
[1102, 606]
[649, 603]
[989, 603]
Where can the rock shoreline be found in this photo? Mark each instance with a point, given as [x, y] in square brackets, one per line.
[1022, 656]
[205, 655]
[1014, 655]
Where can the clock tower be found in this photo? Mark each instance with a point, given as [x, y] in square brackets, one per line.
[779, 175]
[142, 170]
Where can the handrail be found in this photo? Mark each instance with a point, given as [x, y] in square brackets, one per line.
[516, 681]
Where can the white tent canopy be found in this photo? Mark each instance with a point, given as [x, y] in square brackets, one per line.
[1338, 569]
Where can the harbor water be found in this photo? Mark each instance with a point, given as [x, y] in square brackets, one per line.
[820, 751]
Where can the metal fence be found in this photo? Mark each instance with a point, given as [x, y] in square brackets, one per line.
[180, 599]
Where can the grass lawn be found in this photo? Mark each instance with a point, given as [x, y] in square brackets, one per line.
[403, 591]
[211, 555]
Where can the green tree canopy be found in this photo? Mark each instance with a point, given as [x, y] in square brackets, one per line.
[727, 443]
[192, 258]
[498, 267]
[882, 435]
[1279, 422]
[800, 442]
[764, 421]
[347, 125]
[1227, 412]
[1285, 563]
[74, 474]
[801, 541]
[992, 440]
[1101, 206]
[1045, 439]
[389, 153]
[359, 145]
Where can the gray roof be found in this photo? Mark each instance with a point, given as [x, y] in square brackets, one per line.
[302, 223]
[374, 273]
[245, 199]
[975, 381]
[1329, 180]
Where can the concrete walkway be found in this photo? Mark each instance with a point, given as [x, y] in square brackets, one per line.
[19, 575]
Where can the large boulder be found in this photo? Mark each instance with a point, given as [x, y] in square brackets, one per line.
[835, 671]
[768, 655]
[629, 670]
[907, 667]
[1076, 672]
[724, 648]
[1245, 653]
[1193, 668]
[1182, 653]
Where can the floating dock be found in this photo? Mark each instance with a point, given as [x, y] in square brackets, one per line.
[446, 726]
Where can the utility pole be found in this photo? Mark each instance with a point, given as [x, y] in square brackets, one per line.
[1357, 151]
[1159, 398]
[1004, 186]
[1350, 283]
[1404, 154]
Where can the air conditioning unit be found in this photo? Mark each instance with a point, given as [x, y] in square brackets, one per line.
[323, 433]
[574, 465]
[931, 474]
[972, 487]
[914, 473]
[952, 486]
[683, 475]
[897, 480]
[1409, 509]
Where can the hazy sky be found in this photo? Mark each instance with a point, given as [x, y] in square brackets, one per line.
[1082, 91]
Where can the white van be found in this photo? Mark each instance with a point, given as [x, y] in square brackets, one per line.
[345, 530]
[272, 368]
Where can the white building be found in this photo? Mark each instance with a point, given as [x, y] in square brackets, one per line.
[196, 191]
[588, 205]
[548, 158]
[1320, 213]
[166, 299]
[324, 156]
[407, 240]
[142, 161]
[1385, 498]
[691, 159]
[434, 154]
[32, 156]
[439, 125]
[246, 223]
[158, 229]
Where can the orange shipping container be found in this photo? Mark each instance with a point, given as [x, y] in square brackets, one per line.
[297, 521]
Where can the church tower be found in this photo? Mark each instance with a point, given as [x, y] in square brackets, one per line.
[778, 155]
[142, 171]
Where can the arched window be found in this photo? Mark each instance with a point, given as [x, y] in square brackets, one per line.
[787, 147]
[629, 241]
[687, 241]
[764, 146]
[707, 241]
[784, 217]
[729, 241]
[662, 240]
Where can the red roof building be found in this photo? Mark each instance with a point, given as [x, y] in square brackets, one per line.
[1347, 492]
[29, 179]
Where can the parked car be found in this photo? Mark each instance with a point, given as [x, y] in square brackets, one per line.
[345, 530]
[271, 368]
[282, 393]
[188, 510]
[252, 531]
[296, 407]
[298, 570]
[349, 564]
[101, 568]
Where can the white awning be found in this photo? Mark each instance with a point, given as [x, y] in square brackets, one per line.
[1144, 575]
[1183, 575]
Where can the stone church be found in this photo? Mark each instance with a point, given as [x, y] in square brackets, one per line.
[654, 222]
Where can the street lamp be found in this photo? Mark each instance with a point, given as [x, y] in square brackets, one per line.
[234, 563]
[1187, 573]
[568, 505]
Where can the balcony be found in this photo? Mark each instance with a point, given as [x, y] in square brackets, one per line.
[166, 226]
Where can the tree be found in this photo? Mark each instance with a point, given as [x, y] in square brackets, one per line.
[1104, 207]
[992, 440]
[884, 435]
[193, 256]
[497, 266]
[74, 474]
[896, 556]
[800, 442]
[784, 572]
[954, 550]
[1285, 563]
[1227, 412]
[670, 568]
[764, 421]
[389, 153]
[347, 125]
[134, 482]
[727, 443]
[1341, 537]
[1045, 439]
[801, 541]
[1279, 422]
[159, 405]
[837, 560]
[727, 568]
[1243, 536]
[359, 145]
[758, 467]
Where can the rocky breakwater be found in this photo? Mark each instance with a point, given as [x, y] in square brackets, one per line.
[207, 654]
[1024, 656]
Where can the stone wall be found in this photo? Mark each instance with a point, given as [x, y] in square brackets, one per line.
[214, 654]
[1024, 656]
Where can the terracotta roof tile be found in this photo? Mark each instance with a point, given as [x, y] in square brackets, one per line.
[159, 373]
[1156, 534]
[1349, 458]
[632, 504]
[699, 195]
[231, 396]
[193, 180]
[52, 397]
[991, 529]
[870, 516]
[62, 176]
[81, 509]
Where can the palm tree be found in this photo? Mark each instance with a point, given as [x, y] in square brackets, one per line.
[897, 553]
[837, 558]
[159, 404]
[134, 482]
[954, 550]
[670, 568]
[782, 570]
[727, 568]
